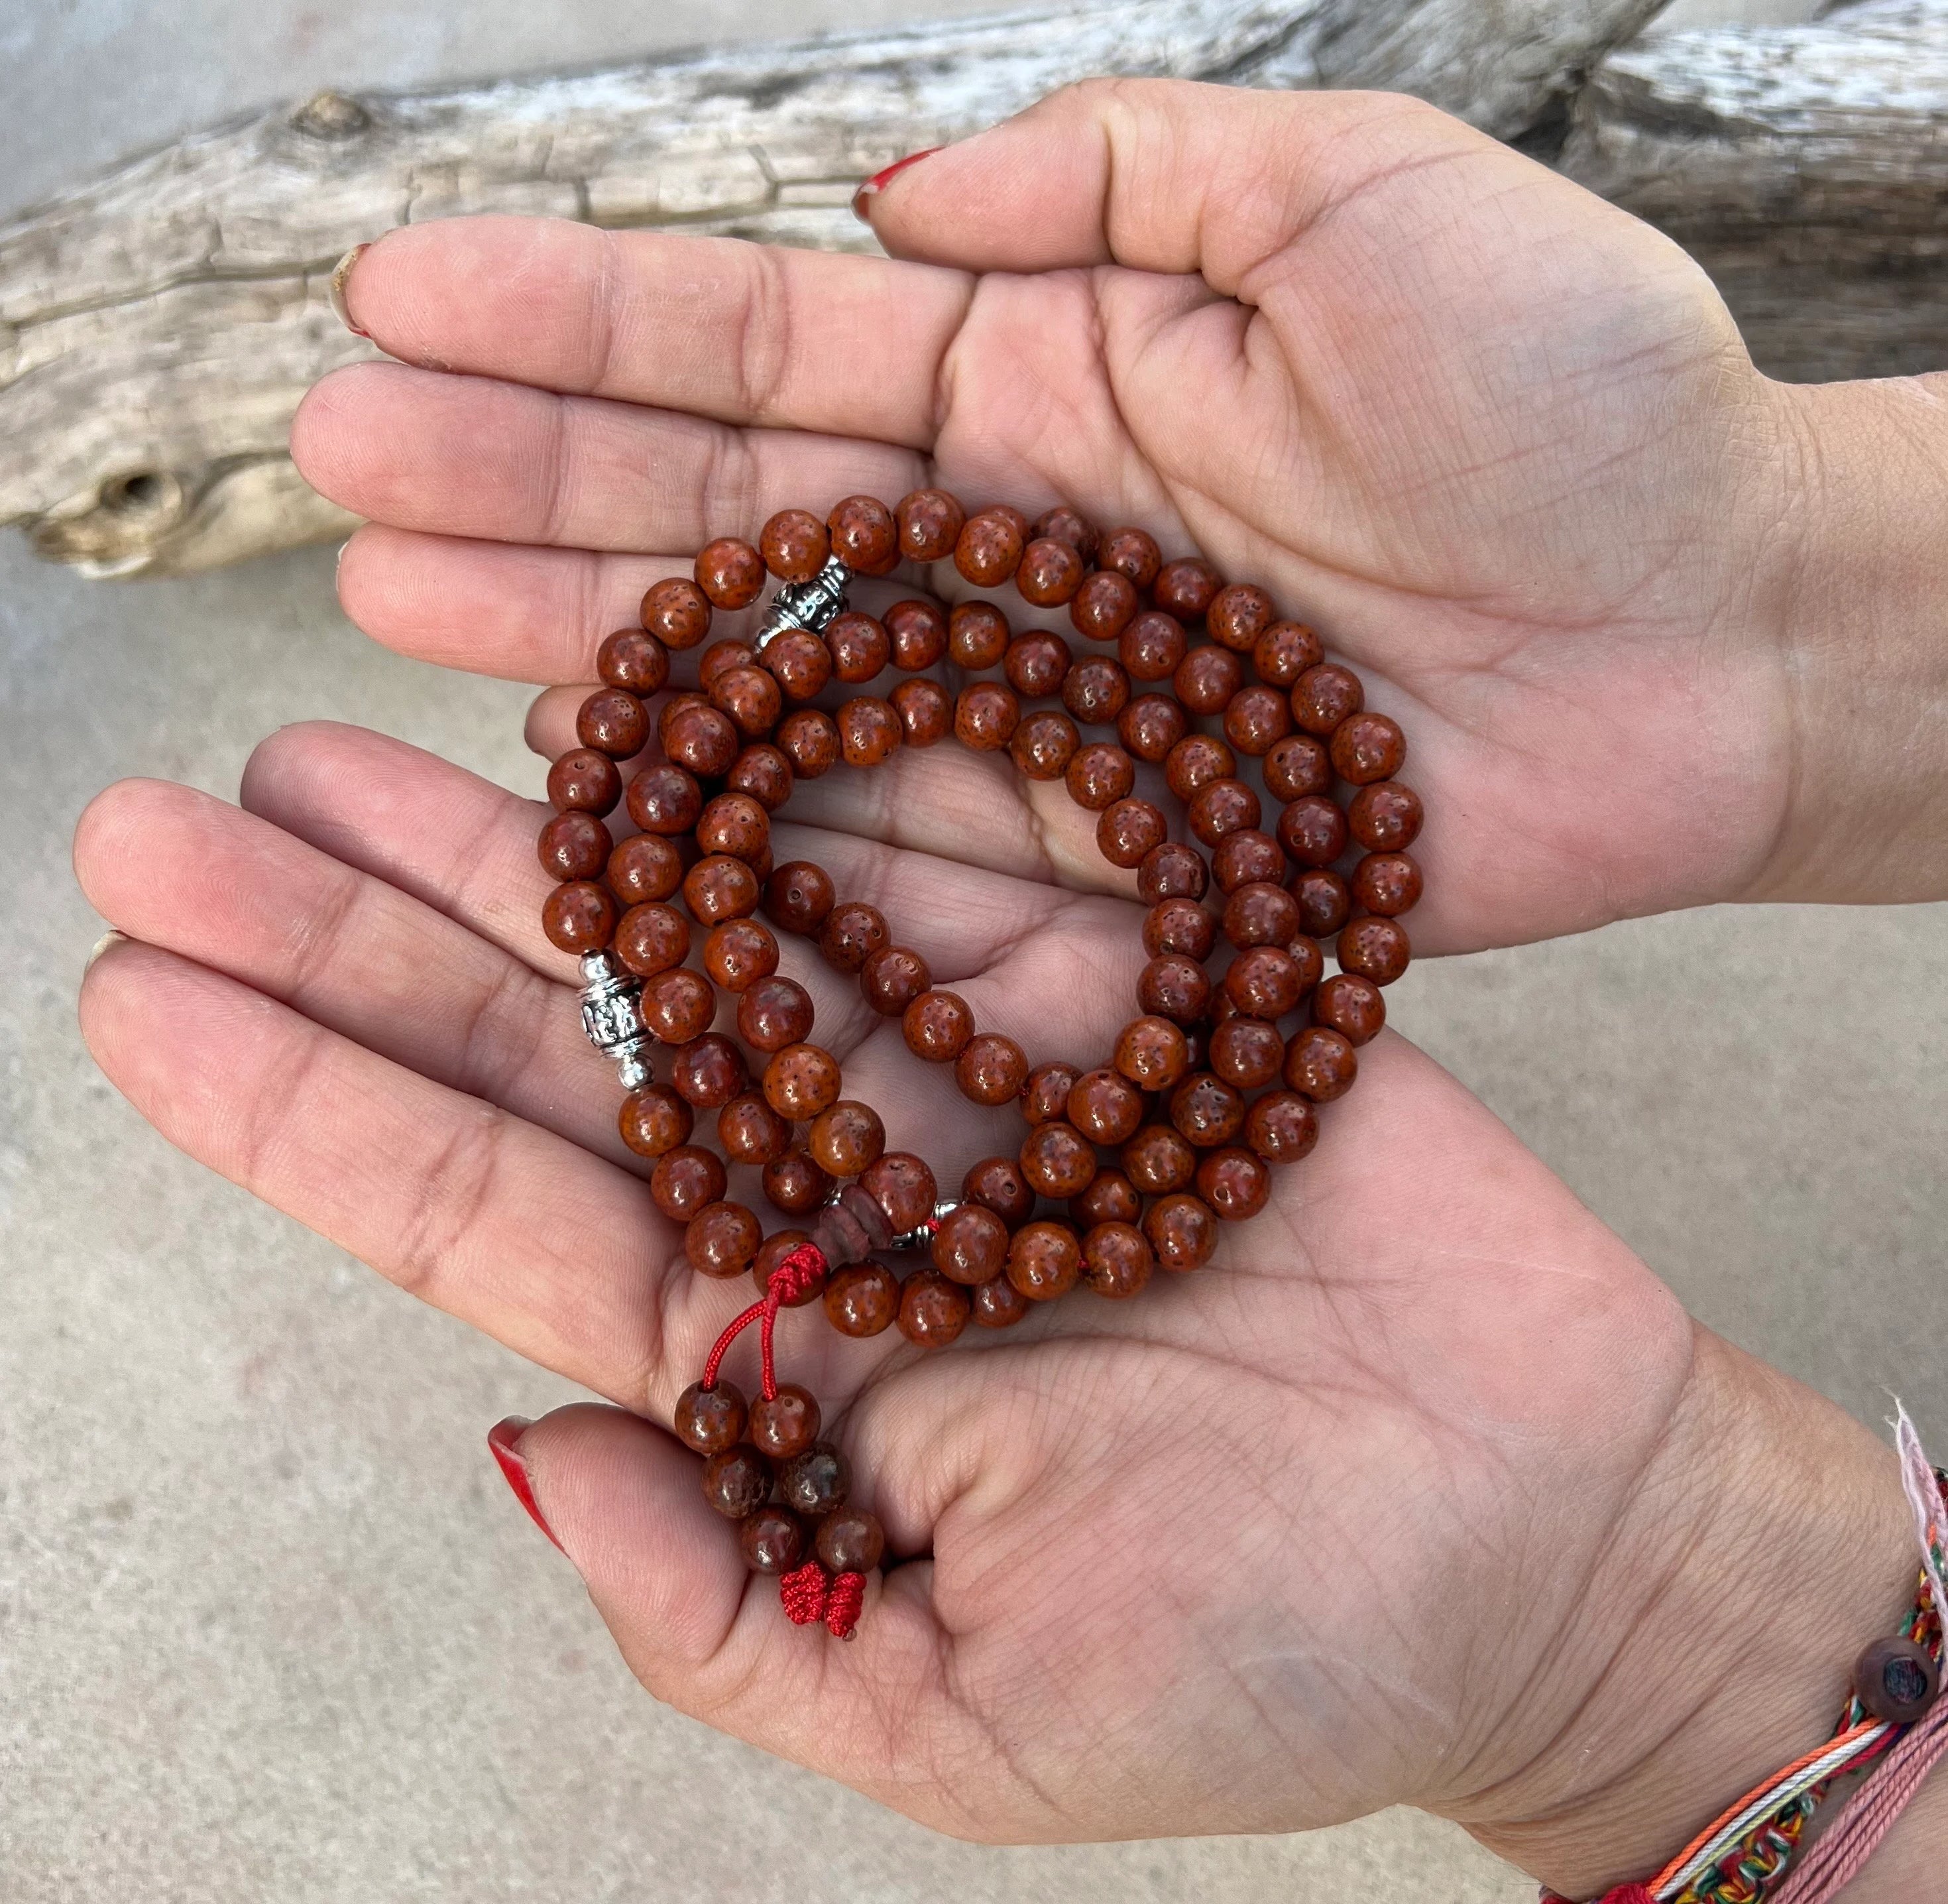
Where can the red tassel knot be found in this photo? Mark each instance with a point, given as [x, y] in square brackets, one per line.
[797, 1275]
[803, 1593]
[841, 1610]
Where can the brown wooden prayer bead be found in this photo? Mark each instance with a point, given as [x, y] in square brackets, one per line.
[1207, 1110]
[1057, 1159]
[654, 1121]
[709, 1419]
[851, 1541]
[735, 1481]
[720, 1240]
[1352, 1006]
[720, 888]
[1179, 927]
[996, 1183]
[1172, 871]
[666, 799]
[1111, 1198]
[1297, 766]
[1220, 807]
[643, 868]
[1151, 1053]
[1158, 1160]
[751, 1131]
[795, 1184]
[1196, 761]
[861, 1299]
[718, 660]
[579, 917]
[1150, 726]
[1207, 678]
[869, 731]
[584, 781]
[1244, 858]
[1117, 1260]
[1246, 1052]
[731, 572]
[977, 635]
[817, 1481]
[701, 738]
[1104, 606]
[1173, 987]
[1388, 883]
[1044, 1260]
[1312, 830]
[1043, 744]
[1321, 1063]
[1185, 588]
[633, 659]
[651, 939]
[892, 978]
[925, 711]
[1037, 663]
[738, 953]
[1234, 1184]
[1128, 830]
[795, 544]
[1132, 552]
[971, 1245]
[1238, 614]
[1051, 572]
[801, 1082]
[938, 1027]
[903, 1186]
[678, 1005]
[1105, 1107]
[989, 548]
[1045, 1092]
[991, 1069]
[1282, 1126]
[845, 1137]
[783, 1424]
[928, 522]
[1261, 913]
[1384, 817]
[851, 933]
[677, 612]
[761, 773]
[708, 1071]
[1324, 696]
[985, 715]
[799, 662]
[1284, 651]
[809, 741]
[1062, 524]
[733, 823]
[1324, 901]
[1368, 748]
[1099, 775]
[1375, 948]
[686, 1180]
[1182, 1231]
[1096, 691]
[933, 1310]
[573, 845]
[1152, 645]
[750, 697]
[998, 1304]
[780, 1243]
[860, 647]
[775, 1012]
[798, 896]
[863, 534]
[1264, 982]
[918, 632]
[1255, 720]
[772, 1540]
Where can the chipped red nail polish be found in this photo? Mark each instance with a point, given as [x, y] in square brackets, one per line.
[877, 183]
[504, 1439]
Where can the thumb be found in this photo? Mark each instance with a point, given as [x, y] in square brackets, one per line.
[1158, 175]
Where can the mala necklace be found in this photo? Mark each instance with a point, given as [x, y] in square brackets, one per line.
[1203, 1092]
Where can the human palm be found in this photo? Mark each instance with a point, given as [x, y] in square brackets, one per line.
[1299, 1535]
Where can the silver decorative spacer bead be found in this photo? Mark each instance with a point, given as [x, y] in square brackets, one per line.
[921, 1236]
[612, 1015]
[812, 606]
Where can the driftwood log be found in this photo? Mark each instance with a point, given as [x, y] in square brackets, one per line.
[158, 324]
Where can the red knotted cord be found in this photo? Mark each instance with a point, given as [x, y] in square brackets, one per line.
[803, 1593]
[841, 1607]
[797, 1275]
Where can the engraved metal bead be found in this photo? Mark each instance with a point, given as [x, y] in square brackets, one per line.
[811, 606]
[612, 1015]
[921, 1236]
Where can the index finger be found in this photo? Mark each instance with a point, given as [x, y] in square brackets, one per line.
[746, 334]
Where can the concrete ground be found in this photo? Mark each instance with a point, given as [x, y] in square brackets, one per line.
[271, 1627]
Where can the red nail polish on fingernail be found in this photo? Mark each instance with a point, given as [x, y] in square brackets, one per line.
[341, 273]
[504, 1438]
[877, 183]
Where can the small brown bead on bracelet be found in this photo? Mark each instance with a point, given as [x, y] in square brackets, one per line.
[1133, 1164]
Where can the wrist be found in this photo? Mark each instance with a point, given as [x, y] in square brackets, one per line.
[1862, 644]
[1766, 1544]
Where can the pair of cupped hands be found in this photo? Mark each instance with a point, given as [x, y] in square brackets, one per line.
[1393, 1501]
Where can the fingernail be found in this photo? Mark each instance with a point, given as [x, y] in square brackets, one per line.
[504, 1438]
[101, 945]
[873, 186]
[340, 273]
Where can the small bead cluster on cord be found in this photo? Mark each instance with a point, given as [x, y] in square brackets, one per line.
[1203, 1092]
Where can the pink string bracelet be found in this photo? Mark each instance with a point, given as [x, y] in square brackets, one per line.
[1895, 1719]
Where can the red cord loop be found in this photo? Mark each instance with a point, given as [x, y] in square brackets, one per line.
[842, 1607]
[797, 1275]
[804, 1593]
